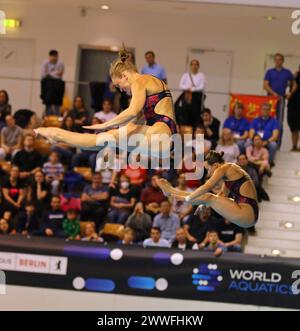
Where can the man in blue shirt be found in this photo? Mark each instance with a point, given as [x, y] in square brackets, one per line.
[153, 68]
[268, 128]
[167, 222]
[276, 82]
[239, 125]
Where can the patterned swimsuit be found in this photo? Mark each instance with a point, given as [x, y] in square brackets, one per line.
[149, 110]
[234, 187]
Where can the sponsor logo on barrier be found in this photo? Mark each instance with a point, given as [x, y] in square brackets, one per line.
[209, 278]
[56, 265]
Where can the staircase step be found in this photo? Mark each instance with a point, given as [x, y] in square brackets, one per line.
[265, 224]
[272, 216]
[274, 243]
[280, 207]
[267, 251]
[285, 182]
[278, 234]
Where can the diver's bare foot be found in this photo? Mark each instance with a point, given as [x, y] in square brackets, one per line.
[165, 186]
[49, 134]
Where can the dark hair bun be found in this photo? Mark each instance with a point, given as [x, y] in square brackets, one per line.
[214, 157]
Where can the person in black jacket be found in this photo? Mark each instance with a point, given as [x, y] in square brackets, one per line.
[28, 222]
[181, 240]
[212, 127]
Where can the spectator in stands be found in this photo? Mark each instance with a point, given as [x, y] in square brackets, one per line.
[6, 223]
[294, 114]
[152, 197]
[231, 235]
[52, 68]
[79, 114]
[71, 225]
[167, 221]
[122, 201]
[11, 138]
[211, 126]
[228, 146]
[197, 226]
[28, 159]
[13, 192]
[4, 227]
[181, 241]
[5, 107]
[259, 156]
[94, 200]
[52, 220]
[90, 233]
[129, 237]
[214, 244]
[184, 109]
[54, 172]
[155, 239]
[106, 114]
[65, 151]
[152, 68]
[28, 221]
[194, 80]
[268, 128]
[179, 207]
[138, 176]
[207, 143]
[239, 126]
[39, 192]
[243, 162]
[251, 170]
[193, 85]
[140, 222]
[276, 82]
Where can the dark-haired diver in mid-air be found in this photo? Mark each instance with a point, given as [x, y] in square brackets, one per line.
[241, 210]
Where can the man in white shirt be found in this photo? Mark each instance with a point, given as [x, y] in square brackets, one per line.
[193, 81]
[155, 239]
[106, 114]
[52, 67]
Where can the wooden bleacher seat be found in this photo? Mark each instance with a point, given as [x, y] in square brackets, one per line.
[42, 146]
[5, 165]
[112, 232]
[52, 121]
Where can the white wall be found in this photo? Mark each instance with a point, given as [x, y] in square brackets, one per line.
[169, 35]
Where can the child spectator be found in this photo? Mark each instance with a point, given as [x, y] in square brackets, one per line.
[129, 236]
[71, 225]
[90, 233]
[54, 172]
[214, 244]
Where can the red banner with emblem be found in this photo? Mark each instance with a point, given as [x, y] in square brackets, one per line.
[252, 104]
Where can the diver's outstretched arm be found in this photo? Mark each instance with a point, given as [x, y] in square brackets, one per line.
[129, 114]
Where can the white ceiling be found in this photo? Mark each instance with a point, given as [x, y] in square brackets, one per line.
[208, 8]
